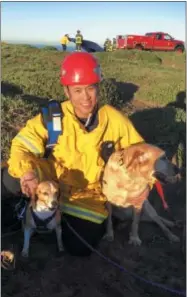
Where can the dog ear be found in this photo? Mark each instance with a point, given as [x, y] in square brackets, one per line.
[54, 185]
[138, 158]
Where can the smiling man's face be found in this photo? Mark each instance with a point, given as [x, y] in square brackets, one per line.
[83, 98]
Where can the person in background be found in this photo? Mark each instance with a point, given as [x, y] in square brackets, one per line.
[78, 41]
[109, 46]
[114, 44]
[64, 41]
[106, 44]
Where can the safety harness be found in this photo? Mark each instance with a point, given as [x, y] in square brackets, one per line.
[52, 115]
[41, 224]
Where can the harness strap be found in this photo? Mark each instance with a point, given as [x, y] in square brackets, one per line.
[40, 223]
[52, 118]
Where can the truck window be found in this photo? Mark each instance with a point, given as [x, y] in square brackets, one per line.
[167, 37]
[148, 34]
[158, 36]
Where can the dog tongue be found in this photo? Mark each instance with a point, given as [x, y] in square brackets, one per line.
[161, 194]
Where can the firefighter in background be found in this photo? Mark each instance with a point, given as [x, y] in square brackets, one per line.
[114, 44]
[64, 41]
[106, 44]
[78, 41]
[109, 47]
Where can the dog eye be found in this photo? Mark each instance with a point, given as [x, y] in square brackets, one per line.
[45, 193]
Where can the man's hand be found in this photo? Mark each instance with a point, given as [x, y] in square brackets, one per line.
[29, 182]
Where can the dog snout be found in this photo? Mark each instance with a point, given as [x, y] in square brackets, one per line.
[165, 167]
[54, 204]
[165, 171]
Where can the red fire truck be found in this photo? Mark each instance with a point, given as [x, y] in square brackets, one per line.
[155, 41]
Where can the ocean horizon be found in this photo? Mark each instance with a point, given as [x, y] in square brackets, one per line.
[70, 47]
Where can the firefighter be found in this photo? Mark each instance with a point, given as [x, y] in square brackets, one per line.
[106, 44]
[114, 44]
[78, 158]
[78, 41]
[109, 46]
[64, 41]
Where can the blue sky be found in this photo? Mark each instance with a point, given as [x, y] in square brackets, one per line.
[46, 22]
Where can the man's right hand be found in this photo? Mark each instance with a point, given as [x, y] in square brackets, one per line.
[29, 182]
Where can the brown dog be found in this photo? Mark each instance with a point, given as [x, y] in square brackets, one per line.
[43, 214]
[126, 180]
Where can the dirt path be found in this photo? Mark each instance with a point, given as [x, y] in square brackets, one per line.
[46, 275]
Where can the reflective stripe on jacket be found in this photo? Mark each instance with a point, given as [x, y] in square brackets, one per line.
[78, 39]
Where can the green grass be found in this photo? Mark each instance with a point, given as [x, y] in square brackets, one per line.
[159, 76]
[31, 75]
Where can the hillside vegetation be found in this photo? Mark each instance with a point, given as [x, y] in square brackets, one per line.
[158, 77]
[132, 80]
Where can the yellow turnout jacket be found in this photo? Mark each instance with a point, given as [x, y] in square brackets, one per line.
[64, 40]
[75, 161]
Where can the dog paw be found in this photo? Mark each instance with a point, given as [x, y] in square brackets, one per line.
[109, 237]
[174, 238]
[24, 254]
[61, 249]
[135, 240]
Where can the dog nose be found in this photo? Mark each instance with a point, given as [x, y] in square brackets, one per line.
[54, 204]
[165, 167]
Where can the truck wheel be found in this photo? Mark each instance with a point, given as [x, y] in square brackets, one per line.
[179, 49]
[139, 47]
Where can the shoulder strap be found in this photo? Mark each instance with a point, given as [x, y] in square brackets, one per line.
[52, 115]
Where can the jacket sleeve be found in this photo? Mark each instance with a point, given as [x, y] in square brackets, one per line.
[27, 146]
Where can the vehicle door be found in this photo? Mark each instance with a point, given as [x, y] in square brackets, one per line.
[163, 42]
[168, 43]
[157, 43]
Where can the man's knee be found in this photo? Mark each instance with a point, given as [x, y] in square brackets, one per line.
[9, 184]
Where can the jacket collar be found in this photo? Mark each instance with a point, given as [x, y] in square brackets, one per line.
[101, 114]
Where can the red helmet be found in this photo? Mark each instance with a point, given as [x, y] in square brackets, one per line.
[80, 69]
